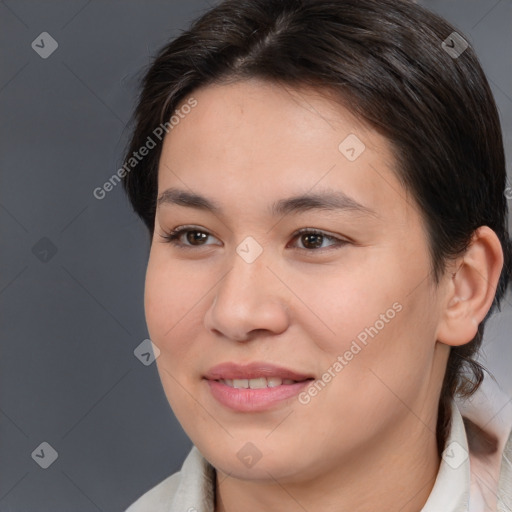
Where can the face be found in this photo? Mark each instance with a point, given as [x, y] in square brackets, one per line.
[288, 258]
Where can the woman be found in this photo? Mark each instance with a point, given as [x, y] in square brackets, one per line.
[323, 183]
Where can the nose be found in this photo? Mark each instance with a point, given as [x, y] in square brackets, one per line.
[248, 301]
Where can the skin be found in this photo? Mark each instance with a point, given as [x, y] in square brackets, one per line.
[367, 440]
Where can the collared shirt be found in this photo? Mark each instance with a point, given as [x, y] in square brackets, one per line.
[474, 475]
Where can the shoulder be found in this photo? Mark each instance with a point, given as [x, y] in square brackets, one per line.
[191, 488]
[488, 425]
[157, 498]
[505, 481]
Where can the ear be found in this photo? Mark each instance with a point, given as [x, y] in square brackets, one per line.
[470, 290]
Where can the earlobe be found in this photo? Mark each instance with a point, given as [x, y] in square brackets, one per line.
[470, 289]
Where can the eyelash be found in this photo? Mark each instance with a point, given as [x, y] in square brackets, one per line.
[173, 236]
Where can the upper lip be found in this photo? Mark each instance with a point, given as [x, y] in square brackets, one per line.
[253, 370]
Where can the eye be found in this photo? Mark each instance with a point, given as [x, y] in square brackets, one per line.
[313, 239]
[187, 237]
[309, 239]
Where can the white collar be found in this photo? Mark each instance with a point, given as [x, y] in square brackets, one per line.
[451, 488]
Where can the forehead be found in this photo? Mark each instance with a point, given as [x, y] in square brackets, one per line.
[256, 139]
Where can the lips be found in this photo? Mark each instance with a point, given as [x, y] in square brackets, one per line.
[258, 383]
[255, 387]
[254, 371]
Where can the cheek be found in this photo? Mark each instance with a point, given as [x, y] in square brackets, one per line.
[172, 303]
[340, 303]
[375, 316]
[387, 360]
[170, 292]
[172, 298]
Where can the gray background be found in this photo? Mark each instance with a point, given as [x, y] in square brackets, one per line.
[72, 267]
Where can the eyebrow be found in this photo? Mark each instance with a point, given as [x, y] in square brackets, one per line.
[329, 200]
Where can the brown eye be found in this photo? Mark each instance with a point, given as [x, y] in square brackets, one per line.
[189, 237]
[311, 240]
[196, 237]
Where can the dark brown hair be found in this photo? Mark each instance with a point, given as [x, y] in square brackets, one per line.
[385, 61]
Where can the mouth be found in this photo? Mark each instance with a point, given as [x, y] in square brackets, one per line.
[255, 372]
[258, 383]
[254, 387]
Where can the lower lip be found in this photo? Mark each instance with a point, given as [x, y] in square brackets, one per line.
[254, 400]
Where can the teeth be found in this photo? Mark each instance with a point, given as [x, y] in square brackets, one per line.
[274, 381]
[258, 383]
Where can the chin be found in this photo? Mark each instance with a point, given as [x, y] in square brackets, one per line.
[254, 461]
